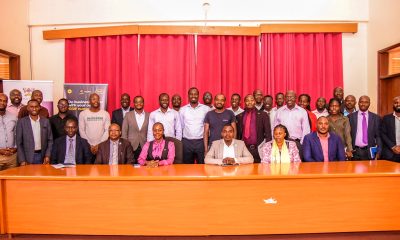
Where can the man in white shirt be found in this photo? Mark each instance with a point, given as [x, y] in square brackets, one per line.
[235, 104]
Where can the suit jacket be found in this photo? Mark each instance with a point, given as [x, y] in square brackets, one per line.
[25, 140]
[125, 152]
[388, 135]
[131, 131]
[374, 122]
[312, 149]
[263, 127]
[82, 151]
[118, 117]
[216, 152]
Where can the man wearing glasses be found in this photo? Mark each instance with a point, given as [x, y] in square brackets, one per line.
[58, 120]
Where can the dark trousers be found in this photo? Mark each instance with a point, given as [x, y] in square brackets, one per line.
[361, 154]
[193, 148]
[253, 149]
[136, 153]
[37, 158]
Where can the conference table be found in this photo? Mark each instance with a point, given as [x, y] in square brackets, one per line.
[189, 200]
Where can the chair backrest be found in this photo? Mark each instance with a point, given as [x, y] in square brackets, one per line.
[178, 150]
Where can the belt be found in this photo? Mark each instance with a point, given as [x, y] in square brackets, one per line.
[363, 148]
[38, 151]
[252, 146]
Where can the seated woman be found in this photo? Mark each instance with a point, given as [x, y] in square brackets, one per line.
[280, 150]
[158, 152]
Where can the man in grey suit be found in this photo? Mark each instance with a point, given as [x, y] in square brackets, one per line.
[134, 126]
[228, 151]
[34, 137]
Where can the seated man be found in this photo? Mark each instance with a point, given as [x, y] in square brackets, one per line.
[71, 149]
[322, 146]
[228, 150]
[115, 150]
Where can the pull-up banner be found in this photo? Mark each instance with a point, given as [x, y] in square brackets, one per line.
[78, 96]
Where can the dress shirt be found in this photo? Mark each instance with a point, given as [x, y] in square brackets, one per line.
[157, 152]
[193, 120]
[325, 146]
[113, 144]
[295, 120]
[324, 113]
[8, 125]
[14, 110]
[359, 135]
[345, 112]
[36, 133]
[171, 121]
[397, 127]
[238, 111]
[125, 111]
[139, 118]
[259, 106]
[229, 151]
[271, 115]
[67, 148]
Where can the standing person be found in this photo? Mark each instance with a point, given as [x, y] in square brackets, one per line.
[43, 112]
[119, 114]
[340, 125]
[339, 94]
[349, 105]
[215, 121]
[267, 106]
[58, 120]
[192, 118]
[71, 149]
[304, 102]
[253, 127]
[235, 104]
[176, 102]
[207, 99]
[168, 117]
[320, 110]
[94, 123]
[16, 102]
[135, 125]
[34, 137]
[322, 145]
[258, 97]
[279, 101]
[390, 133]
[365, 127]
[8, 123]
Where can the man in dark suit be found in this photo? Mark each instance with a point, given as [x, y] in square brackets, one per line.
[71, 149]
[253, 127]
[34, 137]
[118, 115]
[365, 134]
[323, 146]
[135, 125]
[115, 150]
[390, 133]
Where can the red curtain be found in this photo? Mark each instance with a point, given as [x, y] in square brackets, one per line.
[228, 64]
[305, 63]
[166, 64]
[110, 59]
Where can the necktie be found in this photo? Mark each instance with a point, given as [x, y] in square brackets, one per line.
[364, 129]
[71, 152]
[247, 125]
[115, 153]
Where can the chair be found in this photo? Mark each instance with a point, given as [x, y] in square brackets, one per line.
[178, 150]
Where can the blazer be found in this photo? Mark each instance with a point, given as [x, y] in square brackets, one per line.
[312, 149]
[263, 127]
[388, 135]
[118, 117]
[131, 131]
[216, 152]
[125, 152]
[25, 140]
[374, 122]
[82, 151]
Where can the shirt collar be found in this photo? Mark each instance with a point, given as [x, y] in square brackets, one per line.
[74, 137]
[233, 142]
[140, 114]
[360, 113]
[394, 114]
[34, 120]
[323, 137]
[168, 110]
[285, 107]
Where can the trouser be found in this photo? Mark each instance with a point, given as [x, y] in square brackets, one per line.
[7, 162]
[37, 158]
[253, 149]
[361, 154]
[193, 148]
[136, 153]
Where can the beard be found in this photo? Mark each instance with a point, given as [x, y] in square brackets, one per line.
[396, 109]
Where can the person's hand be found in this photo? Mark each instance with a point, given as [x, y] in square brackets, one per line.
[396, 149]
[377, 156]
[22, 164]
[46, 160]
[94, 149]
[349, 154]
[152, 163]
[228, 160]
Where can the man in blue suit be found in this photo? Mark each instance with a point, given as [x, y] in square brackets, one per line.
[323, 146]
[34, 137]
[71, 149]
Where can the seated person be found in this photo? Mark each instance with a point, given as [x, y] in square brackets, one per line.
[158, 152]
[115, 150]
[227, 150]
[280, 149]
[71, 149]
[323, 146]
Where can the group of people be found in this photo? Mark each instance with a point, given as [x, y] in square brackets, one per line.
[207, 132]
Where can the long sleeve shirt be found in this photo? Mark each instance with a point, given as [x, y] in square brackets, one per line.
[295, 120]
[93, 126]
[170, 120]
